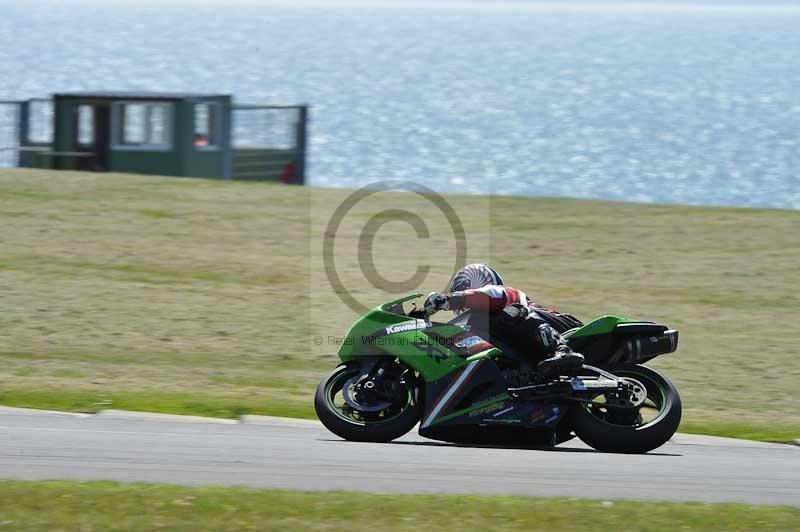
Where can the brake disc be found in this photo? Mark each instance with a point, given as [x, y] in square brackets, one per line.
[351, 390]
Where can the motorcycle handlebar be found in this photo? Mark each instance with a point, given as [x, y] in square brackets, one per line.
[420, 314]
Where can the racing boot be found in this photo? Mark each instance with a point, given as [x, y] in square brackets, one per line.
[563, 362]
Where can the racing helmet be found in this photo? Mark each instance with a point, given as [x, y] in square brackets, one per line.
[474, 276]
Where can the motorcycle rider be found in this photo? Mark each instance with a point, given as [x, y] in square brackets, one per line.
[510, 316]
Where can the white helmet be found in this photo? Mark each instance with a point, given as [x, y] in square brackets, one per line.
[474, 276]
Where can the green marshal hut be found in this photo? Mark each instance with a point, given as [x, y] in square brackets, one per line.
[177, 134]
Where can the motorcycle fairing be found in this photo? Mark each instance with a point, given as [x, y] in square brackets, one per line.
[475, 395]
[612, 339]
[433, 349]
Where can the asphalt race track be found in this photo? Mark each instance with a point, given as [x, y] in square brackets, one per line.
[297, 454]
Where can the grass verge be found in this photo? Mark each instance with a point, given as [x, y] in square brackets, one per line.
[106, 506]
[203, 297]
[195, 404]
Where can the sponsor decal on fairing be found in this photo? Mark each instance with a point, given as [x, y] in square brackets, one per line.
[406, 326]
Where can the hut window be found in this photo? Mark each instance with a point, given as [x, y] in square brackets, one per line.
[40, 119]
[143, 125]
[85, 125]
[206, 125]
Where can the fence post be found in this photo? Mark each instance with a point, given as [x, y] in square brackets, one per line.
[227, 139]
[23, 128]
[300, 142]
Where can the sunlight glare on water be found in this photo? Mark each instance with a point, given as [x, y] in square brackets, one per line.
[698, 106]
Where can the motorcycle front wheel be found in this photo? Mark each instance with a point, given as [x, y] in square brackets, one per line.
[350, 409]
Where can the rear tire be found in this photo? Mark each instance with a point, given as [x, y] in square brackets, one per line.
[343, 425]
[619, 438]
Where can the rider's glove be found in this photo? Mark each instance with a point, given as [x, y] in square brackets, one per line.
[436, 302]
[516, 311]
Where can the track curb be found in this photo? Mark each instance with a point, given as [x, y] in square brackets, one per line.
[155, 416]
[251, 419]
[13, 410]
[276, 421]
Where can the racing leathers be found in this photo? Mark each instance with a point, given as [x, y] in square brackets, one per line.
[509, 316]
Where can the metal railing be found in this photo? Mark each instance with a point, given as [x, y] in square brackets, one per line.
[25, 126]
[9, 133]
[269, 142]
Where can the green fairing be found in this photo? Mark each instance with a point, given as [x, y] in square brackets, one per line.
[368, 336]
[601, 325]
[477, 406]
[419, 348]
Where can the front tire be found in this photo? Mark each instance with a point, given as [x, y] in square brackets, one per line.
[608, 431]
[372, 426]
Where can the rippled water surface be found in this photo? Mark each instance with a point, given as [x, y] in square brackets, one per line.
[697, 105]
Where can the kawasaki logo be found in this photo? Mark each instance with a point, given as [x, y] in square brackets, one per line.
[406, 326]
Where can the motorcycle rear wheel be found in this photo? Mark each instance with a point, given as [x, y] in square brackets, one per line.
[371, 425]
[614, 431]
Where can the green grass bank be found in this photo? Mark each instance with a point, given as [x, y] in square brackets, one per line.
[107, 506]
[204, 297]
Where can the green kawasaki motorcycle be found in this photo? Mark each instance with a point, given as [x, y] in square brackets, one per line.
[399, 368]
